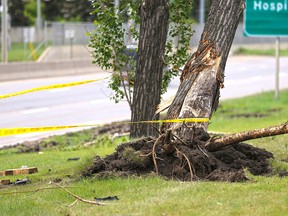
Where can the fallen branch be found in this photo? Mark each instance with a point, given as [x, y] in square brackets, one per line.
[79, 198]
[28, 191]
[217, 143]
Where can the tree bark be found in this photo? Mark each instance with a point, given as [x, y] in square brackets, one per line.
[217, 143]
[203, 75]
[154, 16]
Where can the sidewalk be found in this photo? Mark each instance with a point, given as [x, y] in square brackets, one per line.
[66, 52]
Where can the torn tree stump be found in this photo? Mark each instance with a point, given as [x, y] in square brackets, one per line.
[217, 143]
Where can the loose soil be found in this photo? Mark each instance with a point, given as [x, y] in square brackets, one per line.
[227, 164]
[135, 158]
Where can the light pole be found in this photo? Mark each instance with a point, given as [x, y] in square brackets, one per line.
[4, 33]
[38, 20]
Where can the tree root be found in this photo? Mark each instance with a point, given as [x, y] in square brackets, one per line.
[191, 168]
[154, 155]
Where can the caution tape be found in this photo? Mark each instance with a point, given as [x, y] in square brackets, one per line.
[25, 130]
[47, 87]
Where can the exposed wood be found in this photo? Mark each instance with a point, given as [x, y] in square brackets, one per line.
[217, 143]
[20, 171]
[147, 89]
[203, 74]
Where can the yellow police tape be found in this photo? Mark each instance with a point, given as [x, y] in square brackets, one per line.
[25, 130]
[54, 86]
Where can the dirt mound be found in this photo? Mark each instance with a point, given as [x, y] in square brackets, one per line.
[228, 164]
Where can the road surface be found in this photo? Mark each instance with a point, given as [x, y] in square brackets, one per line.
[90, 103]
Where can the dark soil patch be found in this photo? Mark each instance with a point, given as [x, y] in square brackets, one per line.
[228, 164]
[274, 110]
[249, 115]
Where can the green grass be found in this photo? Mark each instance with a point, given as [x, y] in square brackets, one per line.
[21, 52]
[151, 195]
[259, 52]
[273, 112]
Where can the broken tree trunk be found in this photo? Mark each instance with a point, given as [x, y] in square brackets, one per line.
[220, 142]
[203, 74]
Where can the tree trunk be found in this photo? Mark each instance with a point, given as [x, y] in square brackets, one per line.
[154, 16]
[203, 74]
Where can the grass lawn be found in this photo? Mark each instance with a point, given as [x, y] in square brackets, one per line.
[259, 52]
[151, 195]
[23, 52]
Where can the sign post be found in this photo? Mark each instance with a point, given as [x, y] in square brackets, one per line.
[277, 54]
[267, 18]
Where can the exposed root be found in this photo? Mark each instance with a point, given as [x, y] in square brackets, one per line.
[191, 168]
[202, 150]
[178, 138]
[151, 125]
[154, 156]
[146, 155]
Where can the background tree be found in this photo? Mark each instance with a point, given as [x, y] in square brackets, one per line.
[30, 12]
[24, 12]
[16, 11]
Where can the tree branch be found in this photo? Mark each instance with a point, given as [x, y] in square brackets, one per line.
[77, 197]
[217, 143]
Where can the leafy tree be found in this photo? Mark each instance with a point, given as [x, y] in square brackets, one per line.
[109, 46]
[30, 11]
[16, 11]
[24, 12]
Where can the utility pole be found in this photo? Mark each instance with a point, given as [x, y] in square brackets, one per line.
[277, 55]
[4, 33]
[202, 12]
[38, 20]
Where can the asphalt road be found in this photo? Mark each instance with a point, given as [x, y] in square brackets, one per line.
[90, 103]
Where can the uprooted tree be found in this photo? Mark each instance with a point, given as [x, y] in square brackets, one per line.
[185, 150]
[203, 77]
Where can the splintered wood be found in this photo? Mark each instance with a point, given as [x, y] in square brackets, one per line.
[19, 171]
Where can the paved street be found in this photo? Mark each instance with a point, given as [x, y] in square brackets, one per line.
[90, 104]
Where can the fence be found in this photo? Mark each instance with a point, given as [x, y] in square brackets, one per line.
[58, 33]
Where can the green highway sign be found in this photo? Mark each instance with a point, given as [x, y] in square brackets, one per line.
[266, 18]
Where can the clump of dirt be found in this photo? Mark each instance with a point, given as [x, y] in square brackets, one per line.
[227, 164]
